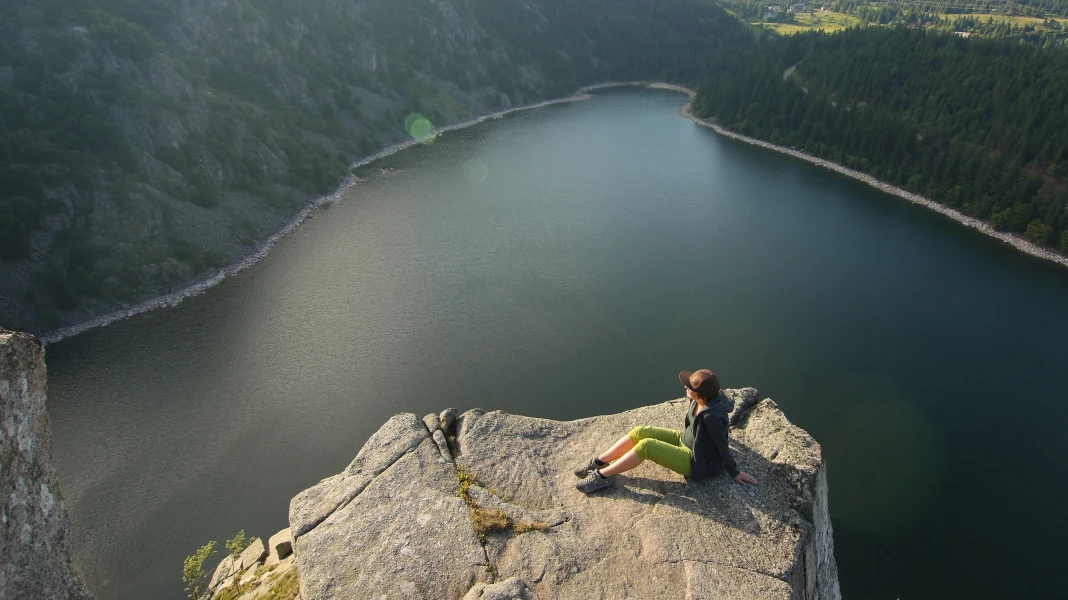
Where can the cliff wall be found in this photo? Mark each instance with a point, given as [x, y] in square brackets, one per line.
[35, 554]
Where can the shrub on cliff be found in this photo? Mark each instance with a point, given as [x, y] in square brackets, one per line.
[237, 544]
[193, 575]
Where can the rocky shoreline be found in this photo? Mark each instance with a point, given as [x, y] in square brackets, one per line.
[1015, 241]
[202, 284]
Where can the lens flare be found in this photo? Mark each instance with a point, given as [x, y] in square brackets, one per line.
[886, 456]
[476, 170]
[418, 126]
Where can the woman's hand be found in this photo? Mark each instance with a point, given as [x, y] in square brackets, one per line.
[745, 478]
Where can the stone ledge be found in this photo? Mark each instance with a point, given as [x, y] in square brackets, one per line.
[407, 534]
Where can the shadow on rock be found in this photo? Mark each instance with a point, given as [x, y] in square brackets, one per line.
[717, 498]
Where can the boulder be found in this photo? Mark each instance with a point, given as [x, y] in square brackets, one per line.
[35, 552]
[253, 554]
[279, 547]
[431, 422]
[408, 534]
[447, 419]
[744, 400]
[226, 570]
[443, 446]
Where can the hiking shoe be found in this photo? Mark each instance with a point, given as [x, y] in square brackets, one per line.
[585, 469]
[593, 482]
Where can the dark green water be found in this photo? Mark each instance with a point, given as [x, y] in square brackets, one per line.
[610, 244]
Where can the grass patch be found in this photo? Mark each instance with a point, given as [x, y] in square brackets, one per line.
[283, 587]
[232, 592]
[464, 481]
[278, 587]
[1019, 20]
[829, 22]
[484, 521]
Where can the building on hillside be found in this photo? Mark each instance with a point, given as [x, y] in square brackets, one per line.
[797, 8]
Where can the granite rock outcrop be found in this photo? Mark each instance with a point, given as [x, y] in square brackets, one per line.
[495, 514]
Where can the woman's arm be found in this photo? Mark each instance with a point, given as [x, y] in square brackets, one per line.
[713, 424]
[717, 433]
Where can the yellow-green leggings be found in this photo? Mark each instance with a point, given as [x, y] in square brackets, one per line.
[661, 446]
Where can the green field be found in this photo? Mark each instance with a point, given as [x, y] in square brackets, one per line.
[822, 21]
[1000, 18]
[831, 22]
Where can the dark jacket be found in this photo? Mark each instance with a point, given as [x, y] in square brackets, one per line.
[711, 452]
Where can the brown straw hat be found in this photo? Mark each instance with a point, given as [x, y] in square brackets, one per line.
[704, 382]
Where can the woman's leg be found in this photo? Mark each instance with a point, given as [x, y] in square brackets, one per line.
[628, 461]
[636, 435]
[654, 443]
[617, 450]
[639, 433]
[676, 458]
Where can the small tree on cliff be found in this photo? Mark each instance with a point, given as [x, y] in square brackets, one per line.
[193, 575]
[237, 544]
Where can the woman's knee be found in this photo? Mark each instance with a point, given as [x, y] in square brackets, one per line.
[635, 434]
[643, 447]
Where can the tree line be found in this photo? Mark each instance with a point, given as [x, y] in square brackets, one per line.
[975, 124]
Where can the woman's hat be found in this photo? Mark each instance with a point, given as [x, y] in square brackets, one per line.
[704, 382]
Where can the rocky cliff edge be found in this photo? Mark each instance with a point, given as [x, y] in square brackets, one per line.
[483, 506]
[35, 557]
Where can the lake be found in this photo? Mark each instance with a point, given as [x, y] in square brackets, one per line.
[569, 261]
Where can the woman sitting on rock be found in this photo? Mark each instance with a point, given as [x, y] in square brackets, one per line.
[700, 450]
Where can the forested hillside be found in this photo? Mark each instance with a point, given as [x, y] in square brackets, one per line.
[977, 125]
[144, 143]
